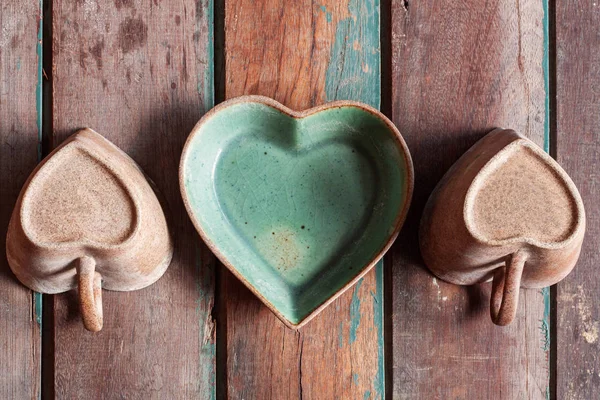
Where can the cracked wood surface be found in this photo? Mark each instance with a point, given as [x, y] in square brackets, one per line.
[302, 54]
[20, 337]
[459, 69]
[578, 150]
[139, 73]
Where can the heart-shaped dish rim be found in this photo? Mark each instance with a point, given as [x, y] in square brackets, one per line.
[492, 165]
[398, 222]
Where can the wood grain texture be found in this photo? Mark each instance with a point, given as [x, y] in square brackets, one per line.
[139, 73]
[20, 92]
[578, 151]
[460, 69]
[304, 53]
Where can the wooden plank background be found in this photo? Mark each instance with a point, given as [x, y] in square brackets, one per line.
[20, 129]
[139, 73]
[459, 69]
[578, 150]
[143, 72]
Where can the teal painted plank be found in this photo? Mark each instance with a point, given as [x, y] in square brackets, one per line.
[37, 297]
[379, 380]
[545, 68]
[206, 262]
[354, 73]
[354, 312]
[545, 322]
[208, 91]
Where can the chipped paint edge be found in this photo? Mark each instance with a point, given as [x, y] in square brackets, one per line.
[207, 337]
[37, 297]
[373, 98]
[545, 322]
[355, 312]
[379, 380]
[209, 75]
[208, 349]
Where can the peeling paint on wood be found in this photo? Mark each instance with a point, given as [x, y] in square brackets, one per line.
[379, 380]
[354, 66]
[37, 297]
[354, 313]
[304, 54]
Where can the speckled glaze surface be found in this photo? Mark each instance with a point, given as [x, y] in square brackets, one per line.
[87, 215]
[297, 205]
[505, 211]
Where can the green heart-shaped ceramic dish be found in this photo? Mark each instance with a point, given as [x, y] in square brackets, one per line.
[298, 205]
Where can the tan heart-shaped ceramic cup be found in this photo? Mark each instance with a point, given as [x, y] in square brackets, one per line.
[505, 211]
[87, 217]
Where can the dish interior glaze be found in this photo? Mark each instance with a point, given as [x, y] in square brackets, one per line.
[299, 206]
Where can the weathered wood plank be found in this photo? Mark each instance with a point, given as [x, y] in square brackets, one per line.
[20, 130]
[304, 53]
[578, 151]
[140, 73]
[460, 69]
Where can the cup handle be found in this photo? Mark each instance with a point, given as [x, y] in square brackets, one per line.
[505, 289]
[90, 294]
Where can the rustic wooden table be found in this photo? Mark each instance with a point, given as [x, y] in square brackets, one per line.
[142, 74]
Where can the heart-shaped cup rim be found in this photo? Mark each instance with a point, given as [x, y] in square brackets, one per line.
[81, 142]
[493, 165]
[297, 115]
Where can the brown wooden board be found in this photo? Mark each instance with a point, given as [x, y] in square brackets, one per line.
[578, 151]
[139, 73]
[20, 113]
[460, 69]
[304, 53]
